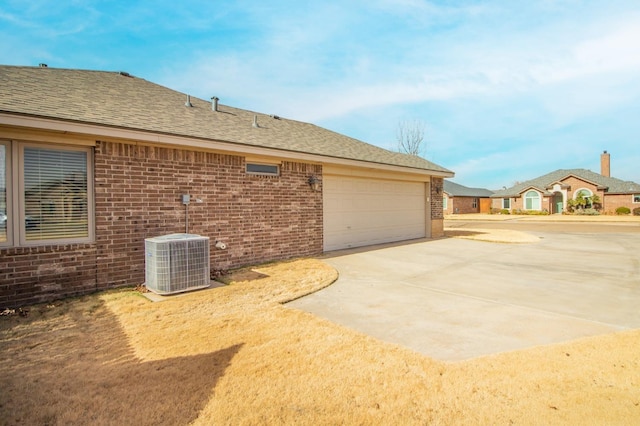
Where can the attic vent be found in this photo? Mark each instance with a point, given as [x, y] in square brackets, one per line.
[275, 117]
[124, 73]
[41, 65]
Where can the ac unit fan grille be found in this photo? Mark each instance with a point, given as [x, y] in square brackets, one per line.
[176, 263]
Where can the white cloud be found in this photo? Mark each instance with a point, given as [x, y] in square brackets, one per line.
[497, 72]
[366, 80]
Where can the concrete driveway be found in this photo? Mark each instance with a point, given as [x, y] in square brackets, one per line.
[454, 299]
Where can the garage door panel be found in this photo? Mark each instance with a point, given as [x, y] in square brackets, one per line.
[360, 212]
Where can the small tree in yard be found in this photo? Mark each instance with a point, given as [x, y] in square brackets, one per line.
[410, 136]
[583, 201]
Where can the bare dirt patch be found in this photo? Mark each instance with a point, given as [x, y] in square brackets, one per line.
[505, 236]
[234, 355]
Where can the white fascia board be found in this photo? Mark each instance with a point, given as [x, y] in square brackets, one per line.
[233, 148]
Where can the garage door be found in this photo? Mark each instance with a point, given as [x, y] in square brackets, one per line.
[360, 212]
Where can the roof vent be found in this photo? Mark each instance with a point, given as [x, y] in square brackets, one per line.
[124, 73]
[255, 121]
[214, 103]
[42, 65]
[188, 103]
[275, 117]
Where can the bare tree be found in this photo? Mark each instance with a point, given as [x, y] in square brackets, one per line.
[410, 136]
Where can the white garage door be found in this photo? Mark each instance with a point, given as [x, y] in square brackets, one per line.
[360, 212]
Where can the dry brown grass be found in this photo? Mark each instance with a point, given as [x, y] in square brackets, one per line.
[506, 236]
[234, 355]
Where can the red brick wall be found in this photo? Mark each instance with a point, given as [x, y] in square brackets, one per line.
[449, 209]
[613, 201]
[37, 274]
[436, 198]
[137, 196]
[462, 205]
[259, 218]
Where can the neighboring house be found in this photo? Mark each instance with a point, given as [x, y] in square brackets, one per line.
[95, 162]
[459, 199]
[552, 191]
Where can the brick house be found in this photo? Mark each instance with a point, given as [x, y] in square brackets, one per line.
[552, 191]
[92, 163]
[459, 199]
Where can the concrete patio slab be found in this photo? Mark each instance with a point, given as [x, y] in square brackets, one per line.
[455, 299]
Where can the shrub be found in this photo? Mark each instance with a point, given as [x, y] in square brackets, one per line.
[532, 212]
[623, 210]
[636, 211]
[500, 211]
[587, 212]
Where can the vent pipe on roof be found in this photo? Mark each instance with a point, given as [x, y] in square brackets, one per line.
[188, 103]
[41, 65]
[255, 121]
[214, 103]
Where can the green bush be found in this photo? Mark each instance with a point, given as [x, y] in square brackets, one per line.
[587, 212]
[532, 212]
[524, 212]
[500, 211]
[623, 210]
[636, 211]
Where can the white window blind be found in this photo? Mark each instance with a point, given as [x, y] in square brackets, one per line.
[4, 218]
[55, 194]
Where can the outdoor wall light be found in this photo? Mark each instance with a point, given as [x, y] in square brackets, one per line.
[438, 190]
[314, 183]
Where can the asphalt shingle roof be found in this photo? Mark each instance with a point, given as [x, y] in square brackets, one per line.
[457, 190]
[123, 101]
[610, 184]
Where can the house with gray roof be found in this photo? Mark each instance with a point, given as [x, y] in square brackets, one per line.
[460, 199]
[551, 192]
[127, 160]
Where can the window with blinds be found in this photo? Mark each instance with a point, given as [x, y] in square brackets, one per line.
[55, 197]
[4, 218]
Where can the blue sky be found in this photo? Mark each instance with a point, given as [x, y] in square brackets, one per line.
[508, 90]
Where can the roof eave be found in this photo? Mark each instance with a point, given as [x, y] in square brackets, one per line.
[96, 129]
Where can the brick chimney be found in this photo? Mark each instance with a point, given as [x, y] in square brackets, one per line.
[605, 164]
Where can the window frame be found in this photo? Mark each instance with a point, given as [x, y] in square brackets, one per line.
[8, 178]
[588, 198]
[506, 203]
[635, 198]
[537, 197]
[262, 173]
[474, 203]
[445, 202]
[16, 214]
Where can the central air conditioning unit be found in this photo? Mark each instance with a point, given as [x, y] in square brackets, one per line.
[176, 263]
